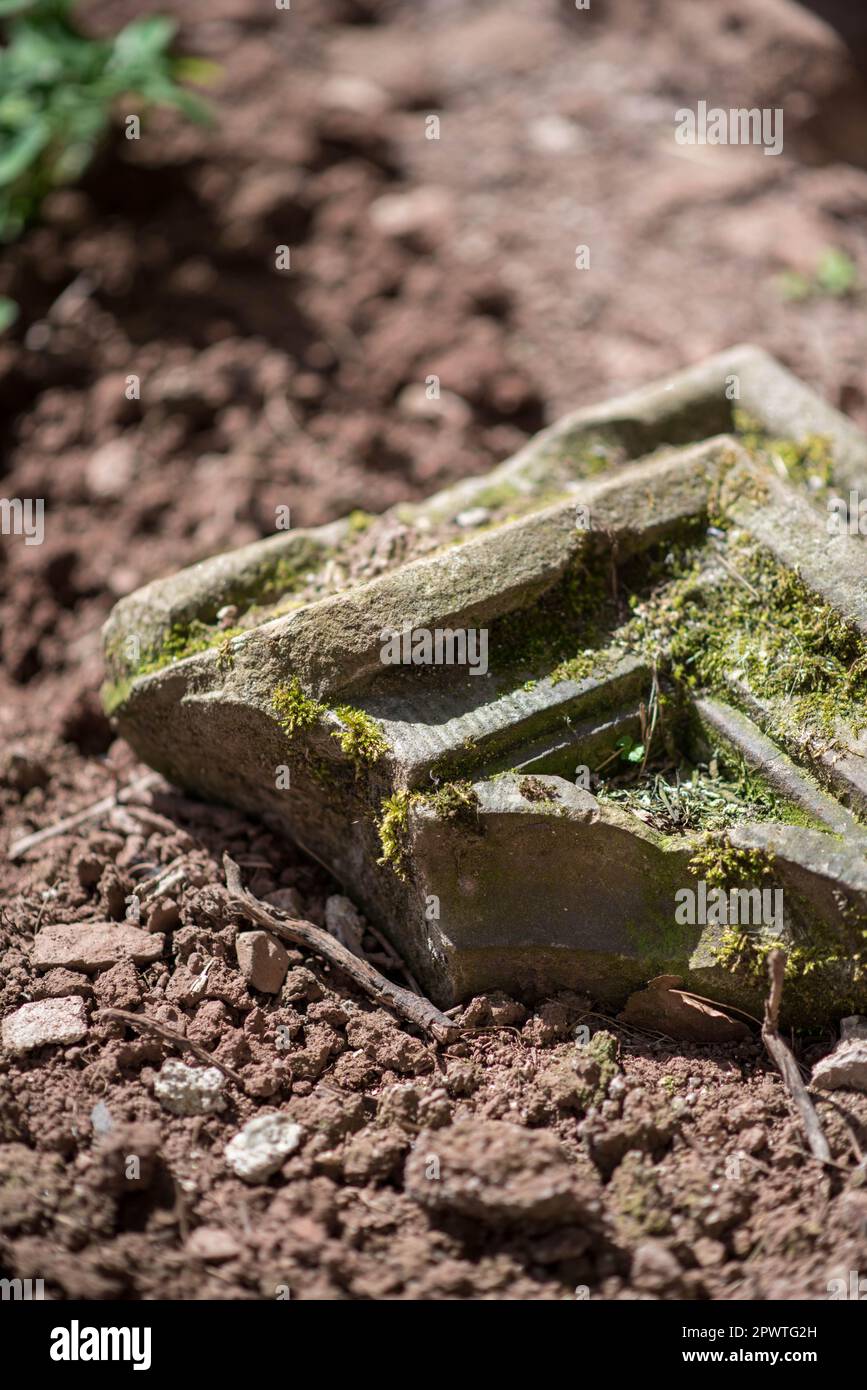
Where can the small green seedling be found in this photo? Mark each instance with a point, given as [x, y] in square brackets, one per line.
[630, 751]
[836, 277]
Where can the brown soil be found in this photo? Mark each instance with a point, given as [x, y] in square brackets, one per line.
[688, 1177]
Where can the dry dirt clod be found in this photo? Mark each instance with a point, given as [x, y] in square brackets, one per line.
[213, 1245]
[497, 1174]
[57, 984]
[22, 771]
[655, 1268]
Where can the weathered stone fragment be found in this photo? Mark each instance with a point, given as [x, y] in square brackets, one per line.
[92, 946]
[612, 730]
[262, 960]
[843, 1069]
[190, 1090]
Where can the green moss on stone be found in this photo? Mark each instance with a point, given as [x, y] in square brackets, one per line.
[720, 864]
[603, 1048]
[759, 623]
[393, 825]
[293, 708]
[278, 575]
[361, 737]
[497, 495]
[455, 801]
[744, 952]
[187, 639]
[808, 461]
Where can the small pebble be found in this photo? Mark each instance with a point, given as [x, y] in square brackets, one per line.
[260, 1148]
[473, 516]
[213, 1244]
[190, 1090]
[262, 960]
[100, 1118]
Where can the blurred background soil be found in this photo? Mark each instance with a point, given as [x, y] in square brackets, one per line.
[261, 388]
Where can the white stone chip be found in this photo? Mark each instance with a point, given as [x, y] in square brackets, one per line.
[45, 1022]
[473, 516]
[262, 1145]
[190, 1090]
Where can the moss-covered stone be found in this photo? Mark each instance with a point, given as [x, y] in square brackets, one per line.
[672, 626]
[809, 462]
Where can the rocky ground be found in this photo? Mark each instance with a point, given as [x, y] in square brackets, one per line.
[633, 1167]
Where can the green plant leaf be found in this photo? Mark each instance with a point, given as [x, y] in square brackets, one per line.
[630, 751]
[21, 151]
[200, 71]
[793, 286]
[142, 41]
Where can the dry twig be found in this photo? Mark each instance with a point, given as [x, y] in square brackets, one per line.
[171, 1035]
[785, 1062]
[99, 808]
[412, 1007]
